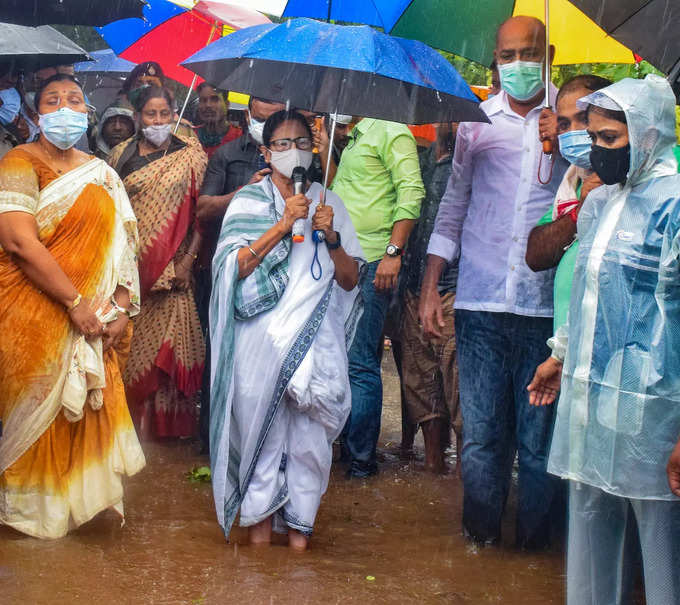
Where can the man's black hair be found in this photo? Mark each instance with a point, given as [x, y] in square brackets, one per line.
[587, 81]
[220, 91]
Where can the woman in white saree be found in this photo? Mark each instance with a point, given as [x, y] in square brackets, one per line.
[281, 319]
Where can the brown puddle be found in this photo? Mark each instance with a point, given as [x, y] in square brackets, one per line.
[392, 539]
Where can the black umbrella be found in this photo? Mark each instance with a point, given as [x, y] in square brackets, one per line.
[651, 28]
[68, 12]
[31, 48]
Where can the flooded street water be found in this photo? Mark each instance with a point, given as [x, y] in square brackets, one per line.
[395, 538]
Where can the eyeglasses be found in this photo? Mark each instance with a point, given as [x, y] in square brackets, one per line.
[303, 143]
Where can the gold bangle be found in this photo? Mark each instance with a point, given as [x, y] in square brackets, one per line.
[194, 256]
[76, 302]
[255, 254]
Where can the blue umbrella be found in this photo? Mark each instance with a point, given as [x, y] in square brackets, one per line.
[339, 69]
[105, 61]
[381, 13]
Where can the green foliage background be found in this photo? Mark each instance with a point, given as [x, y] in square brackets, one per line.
[476, 74]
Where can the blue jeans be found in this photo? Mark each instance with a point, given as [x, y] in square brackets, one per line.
[497, 356]
[363, 426]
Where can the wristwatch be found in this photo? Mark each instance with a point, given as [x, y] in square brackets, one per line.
[393, 250]
[336, 245]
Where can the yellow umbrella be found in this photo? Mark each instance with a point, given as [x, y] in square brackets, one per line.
[576, 37]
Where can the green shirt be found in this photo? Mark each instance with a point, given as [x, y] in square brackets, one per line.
[564, 275]
[379, 182]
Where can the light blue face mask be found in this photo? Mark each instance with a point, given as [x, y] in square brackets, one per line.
[522, 80]
[63, 127]
[11, 104]
[575, 147]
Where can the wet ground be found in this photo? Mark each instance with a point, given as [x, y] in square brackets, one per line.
[392, 539]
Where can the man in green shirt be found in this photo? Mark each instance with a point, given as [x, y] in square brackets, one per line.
[379, 181]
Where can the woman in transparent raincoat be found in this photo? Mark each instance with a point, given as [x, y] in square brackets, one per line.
[618, 416]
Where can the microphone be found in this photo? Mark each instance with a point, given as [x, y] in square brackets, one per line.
[299, 176]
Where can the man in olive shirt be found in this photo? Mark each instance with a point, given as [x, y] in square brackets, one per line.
[379, 181]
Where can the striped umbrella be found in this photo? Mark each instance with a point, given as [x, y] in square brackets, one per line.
[170, 33]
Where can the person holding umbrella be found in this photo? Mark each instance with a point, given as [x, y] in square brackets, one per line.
[282, 316]
[503, 310]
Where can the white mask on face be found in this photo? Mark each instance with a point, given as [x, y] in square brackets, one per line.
[255, 128]
[157, 134]
[286, 161]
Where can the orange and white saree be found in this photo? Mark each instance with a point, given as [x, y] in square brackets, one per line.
[67, 433]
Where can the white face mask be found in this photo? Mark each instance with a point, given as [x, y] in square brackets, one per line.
[286, 161]
[157, 134]
[255, 128]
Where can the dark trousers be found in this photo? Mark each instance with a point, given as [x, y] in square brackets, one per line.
[360, 437]
[497, 356]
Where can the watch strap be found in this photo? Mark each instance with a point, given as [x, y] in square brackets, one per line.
[336, 245]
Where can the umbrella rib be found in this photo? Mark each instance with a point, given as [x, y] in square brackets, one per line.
[629, 17]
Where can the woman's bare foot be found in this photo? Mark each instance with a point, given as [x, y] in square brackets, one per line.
[297, 541]
[260, 533]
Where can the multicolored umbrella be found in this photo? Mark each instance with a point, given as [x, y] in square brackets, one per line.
[649, 27]
[469, 27]
[170, 33]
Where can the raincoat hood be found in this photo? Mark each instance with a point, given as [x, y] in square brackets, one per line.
[649, 106]
[113, 110]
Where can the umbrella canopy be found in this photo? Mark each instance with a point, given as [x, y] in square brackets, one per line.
[70, 12]
[649, 27]
[333, 68]
[105, 62]
[469, 29]
[31, 48]
[169, 34]
[382, 13]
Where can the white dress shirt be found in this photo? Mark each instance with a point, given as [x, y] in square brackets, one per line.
[492, 201]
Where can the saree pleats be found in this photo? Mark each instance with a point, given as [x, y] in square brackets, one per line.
[163, 373]
[57, 472]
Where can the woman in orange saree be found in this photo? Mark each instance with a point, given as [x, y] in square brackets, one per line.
[68, 283]
[163, 174]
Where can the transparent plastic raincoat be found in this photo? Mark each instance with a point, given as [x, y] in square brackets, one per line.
[618, 416]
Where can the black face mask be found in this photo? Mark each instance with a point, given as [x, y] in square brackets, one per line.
[611, 165]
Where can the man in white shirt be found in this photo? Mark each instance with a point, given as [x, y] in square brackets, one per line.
[503, 309]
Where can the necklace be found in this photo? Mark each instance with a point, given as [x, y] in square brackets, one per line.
[53, 160]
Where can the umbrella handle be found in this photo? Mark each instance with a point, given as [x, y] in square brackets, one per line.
[330, 157]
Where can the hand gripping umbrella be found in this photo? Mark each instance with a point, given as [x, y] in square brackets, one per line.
[339, 69]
